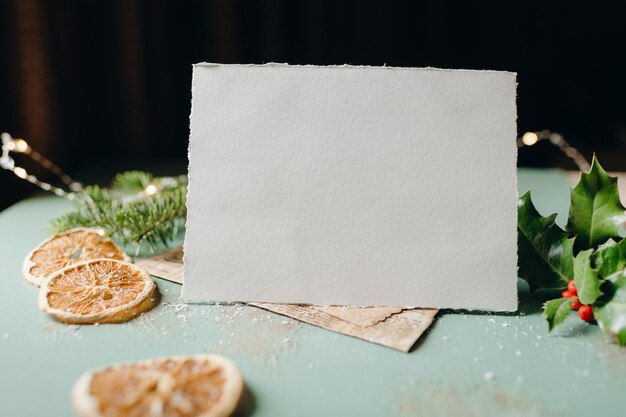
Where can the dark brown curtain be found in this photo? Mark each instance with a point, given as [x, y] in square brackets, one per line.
[101, 86]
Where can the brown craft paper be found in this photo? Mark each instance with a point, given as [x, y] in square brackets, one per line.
[393, 327]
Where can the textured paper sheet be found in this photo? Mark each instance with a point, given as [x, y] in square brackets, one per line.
[399, 331]
[356, 315]
[168, 265]
[362, 186]
[388, 326]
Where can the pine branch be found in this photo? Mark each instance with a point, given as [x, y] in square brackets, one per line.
[153, 220]
[132, 180]
[130, 215]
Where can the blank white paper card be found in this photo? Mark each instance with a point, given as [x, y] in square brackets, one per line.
[349, 185]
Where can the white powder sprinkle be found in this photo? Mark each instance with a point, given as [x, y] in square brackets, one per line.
[488, 376]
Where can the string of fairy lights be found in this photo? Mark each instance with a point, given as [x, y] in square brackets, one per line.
[11, 145]
[20, 146]
[531, 138]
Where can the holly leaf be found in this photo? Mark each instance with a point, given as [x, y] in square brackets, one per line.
[546, 254]
[610, 258]
[596, 211]
[611, 315]
[556, 311]
[586, 277]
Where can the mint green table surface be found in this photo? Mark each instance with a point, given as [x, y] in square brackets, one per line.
[467, 364]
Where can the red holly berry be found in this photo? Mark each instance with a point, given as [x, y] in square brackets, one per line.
[567, 294]
[571, 287]
[585, 313]
[576, 303]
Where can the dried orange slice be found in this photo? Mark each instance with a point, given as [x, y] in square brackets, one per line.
[97, 291]
[179, 386]
[67, 248]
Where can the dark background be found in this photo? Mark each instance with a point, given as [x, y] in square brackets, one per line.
[100, 86]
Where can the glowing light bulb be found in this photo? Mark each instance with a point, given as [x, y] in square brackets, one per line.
[530, 138]
[151, 189]
[19, 145]
[20, 172]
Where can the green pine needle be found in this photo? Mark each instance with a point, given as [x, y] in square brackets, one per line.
[129, 215]
[132, 180]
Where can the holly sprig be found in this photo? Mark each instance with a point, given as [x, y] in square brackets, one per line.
[586, 260]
